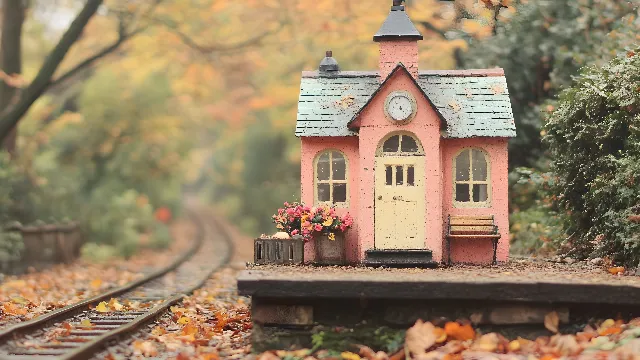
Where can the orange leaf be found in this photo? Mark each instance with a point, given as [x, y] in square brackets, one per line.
[13, 309]
[441, 335]
[459, 332]
[190, 329]
[610, 331]
[616, 270]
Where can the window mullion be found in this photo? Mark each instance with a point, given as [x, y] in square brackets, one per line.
[471, 175]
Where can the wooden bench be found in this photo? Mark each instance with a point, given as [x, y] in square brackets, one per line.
[472, 227]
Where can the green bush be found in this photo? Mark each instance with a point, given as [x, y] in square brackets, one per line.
[594, 139]
[98, 253]
[535, 226]
[161, 237]
[11, 246]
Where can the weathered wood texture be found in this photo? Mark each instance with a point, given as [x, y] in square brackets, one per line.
[426, 284]
[278, 251]
[45, 244]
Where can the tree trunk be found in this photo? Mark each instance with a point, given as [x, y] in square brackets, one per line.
[10, 60]
[10, 117]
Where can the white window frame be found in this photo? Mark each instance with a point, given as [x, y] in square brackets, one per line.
[331, 181]
[471, 181]
[380, 150]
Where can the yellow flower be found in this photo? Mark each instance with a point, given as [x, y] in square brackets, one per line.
[332, 236]
[328, 222]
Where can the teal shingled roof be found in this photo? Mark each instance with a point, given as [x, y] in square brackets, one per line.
[473, 102]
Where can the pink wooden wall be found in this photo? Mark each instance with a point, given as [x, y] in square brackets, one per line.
[374, 126]
[479, 251]
[311, 147]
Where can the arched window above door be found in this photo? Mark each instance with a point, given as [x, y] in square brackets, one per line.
[400, 145]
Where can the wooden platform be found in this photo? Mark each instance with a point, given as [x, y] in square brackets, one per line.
[289, 304]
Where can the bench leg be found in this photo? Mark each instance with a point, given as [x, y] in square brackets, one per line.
[448, 251]
[495, 252]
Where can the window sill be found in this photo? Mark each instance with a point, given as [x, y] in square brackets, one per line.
[472, 205]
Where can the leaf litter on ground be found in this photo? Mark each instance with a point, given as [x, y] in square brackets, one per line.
[28, 296]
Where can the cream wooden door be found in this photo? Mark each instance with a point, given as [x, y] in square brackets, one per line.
[399, 202]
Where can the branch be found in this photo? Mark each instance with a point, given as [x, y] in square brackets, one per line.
[429, 26]
[214, 48]
[122, 38]
[10, 118]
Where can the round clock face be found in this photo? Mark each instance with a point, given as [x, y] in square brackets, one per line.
[400, 107]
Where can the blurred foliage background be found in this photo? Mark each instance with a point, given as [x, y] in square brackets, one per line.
[202, 96]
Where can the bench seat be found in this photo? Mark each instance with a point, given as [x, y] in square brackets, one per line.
[472, 227]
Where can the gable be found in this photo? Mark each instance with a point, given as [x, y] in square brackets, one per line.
[473, 103]
[354, 123]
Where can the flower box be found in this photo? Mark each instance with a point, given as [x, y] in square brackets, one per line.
[278, 251]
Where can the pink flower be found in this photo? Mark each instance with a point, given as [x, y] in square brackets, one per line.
[317, 227]
[295, 232]
[286, 204]
[290, 211]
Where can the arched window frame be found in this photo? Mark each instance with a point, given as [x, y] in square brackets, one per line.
[471, 181]
[331, 181]
[380, 148]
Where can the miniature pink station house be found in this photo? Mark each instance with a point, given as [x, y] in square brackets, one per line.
[418, 158]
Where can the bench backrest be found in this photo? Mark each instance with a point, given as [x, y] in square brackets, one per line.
[472, 225]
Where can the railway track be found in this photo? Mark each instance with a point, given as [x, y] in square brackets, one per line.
[81, 330]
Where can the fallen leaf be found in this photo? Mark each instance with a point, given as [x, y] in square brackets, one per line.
[616, 270]
[487, 342]
[13, 309]
[459, 332]
[565, 345]
[115, 305]
[347, 355]
[95, 284]
[86, 323]
[441, 335]
[419, 338]
[102, 307]
[145, 348]
[190, 329]
[366, 352]
[551, 322]
[514, 345]
[183, 320]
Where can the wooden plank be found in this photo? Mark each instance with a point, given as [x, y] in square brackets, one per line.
[461, 230]
[472, 222]
[477, 217]
[473, 236]
[434, 285]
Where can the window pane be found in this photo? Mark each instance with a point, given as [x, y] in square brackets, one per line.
[323, 167]
[408, 144]
[399, 175]
[389, 175]
[479, 165]
[339, 166]
[462, 192]
[323, 192]
[339, 193]
[462, 166]
[410, 176]
[480, 193]
[392, 144]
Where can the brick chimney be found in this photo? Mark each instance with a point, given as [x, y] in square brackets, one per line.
[398, 39]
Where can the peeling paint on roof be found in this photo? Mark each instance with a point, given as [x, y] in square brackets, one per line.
[473, 102]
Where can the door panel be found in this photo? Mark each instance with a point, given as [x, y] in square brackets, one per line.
[399, 202]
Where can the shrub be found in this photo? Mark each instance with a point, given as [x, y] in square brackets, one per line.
[11, 246]
[98, 253]
[535, 225]
[161, 237]
[594, 139]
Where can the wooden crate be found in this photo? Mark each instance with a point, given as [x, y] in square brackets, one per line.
[278, 251]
